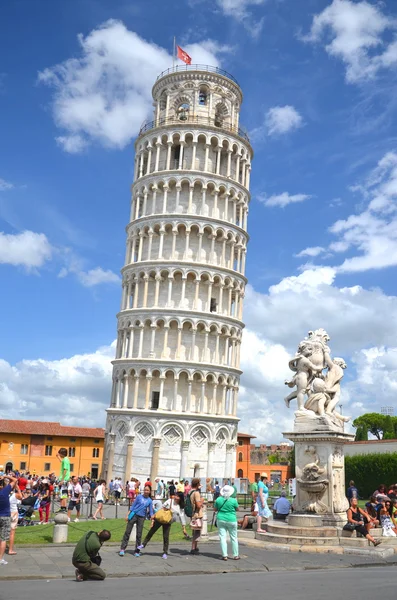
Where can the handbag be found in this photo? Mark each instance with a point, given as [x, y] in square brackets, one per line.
[349, 527]
[164, 515]
[196, 523]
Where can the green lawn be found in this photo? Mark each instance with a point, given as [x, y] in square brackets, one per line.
[42, 534]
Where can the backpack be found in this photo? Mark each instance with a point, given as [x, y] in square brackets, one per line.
[189, 505]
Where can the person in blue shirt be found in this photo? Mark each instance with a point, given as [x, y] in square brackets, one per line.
[7, 484]
[352, 491]
[281, 508]
[263, 509]
[139, 511]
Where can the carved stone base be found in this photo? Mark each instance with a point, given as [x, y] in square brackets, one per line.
[306, 421]
[320, 473]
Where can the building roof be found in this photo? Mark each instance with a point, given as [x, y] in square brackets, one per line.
[246, 435]
[49, 428]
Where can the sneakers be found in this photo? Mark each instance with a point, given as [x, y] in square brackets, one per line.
[164, 556]
[140, 547]
[3, 562]
[137, 554]
[77, 520]
[68, 519]
[121, 553]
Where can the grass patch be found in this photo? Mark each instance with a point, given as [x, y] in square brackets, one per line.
[42, 534]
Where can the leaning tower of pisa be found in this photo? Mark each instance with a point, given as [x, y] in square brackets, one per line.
[173, 410]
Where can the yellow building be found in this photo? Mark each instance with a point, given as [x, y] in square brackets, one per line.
[32, 446]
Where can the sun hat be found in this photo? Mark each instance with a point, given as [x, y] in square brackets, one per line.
[264, 475]
[227, 491]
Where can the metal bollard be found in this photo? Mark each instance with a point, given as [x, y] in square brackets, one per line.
[60, 534]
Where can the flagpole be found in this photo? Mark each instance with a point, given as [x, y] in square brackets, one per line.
[173, 53]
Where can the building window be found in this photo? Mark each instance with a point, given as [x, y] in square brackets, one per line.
[48, 450]
[240, 457]
[71, 467]
[213, 305]
[49, 438]
[96, 441]
[95, 453]
[202, 99]
[22, 466]
[24, 448]
[72, 439]
[94, 471]
[240, 442]
[72, 452]
[240, 473]
[47, 466]
[155, 400]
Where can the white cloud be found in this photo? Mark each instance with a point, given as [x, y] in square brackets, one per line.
[283, 199]
[70, 390]
[104, 95]
[282, 119]
[5, 185]
[97, 276]
[311, 251]
[27, 249]
[357, 34]
[373, 232]
[240, 10]
[74, 144]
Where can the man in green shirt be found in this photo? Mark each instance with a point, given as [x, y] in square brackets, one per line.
[254, 489]
[85, 555]
[64, 477]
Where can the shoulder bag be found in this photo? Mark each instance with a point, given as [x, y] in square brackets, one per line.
[164, 515]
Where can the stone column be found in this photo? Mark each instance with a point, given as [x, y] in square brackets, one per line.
[184, 459]
[128, 462]
[210, 464]
[324, 447]
[155, 459]
[230, 448]
[112, 439]
[147, 393]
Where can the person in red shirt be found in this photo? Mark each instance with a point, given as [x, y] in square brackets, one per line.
[148, 483]
[22, 483]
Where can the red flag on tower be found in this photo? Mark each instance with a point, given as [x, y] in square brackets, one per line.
[183, 56]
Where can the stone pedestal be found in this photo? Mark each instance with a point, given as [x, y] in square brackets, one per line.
[60, 534]
[320, 474]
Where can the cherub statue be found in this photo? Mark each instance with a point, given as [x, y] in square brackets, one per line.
[305, 370]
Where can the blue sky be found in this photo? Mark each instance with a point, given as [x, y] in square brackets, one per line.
[319, 102]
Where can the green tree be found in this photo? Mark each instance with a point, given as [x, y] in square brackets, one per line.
[388, 429]
[291, 461]
[372, 422]
[361, 434]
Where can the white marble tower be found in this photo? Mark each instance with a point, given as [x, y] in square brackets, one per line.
[173, 410]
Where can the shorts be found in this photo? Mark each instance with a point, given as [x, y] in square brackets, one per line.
[14, 520]
[117, 494]
[5, 528]
[63, 493]
[99, 501]
[74, 504]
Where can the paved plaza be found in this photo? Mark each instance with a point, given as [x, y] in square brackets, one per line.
[54, 562]
[367, 584]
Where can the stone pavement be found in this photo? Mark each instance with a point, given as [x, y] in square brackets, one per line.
[54, 562]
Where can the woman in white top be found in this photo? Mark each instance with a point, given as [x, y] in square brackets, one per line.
[99, 495]
[15, 499]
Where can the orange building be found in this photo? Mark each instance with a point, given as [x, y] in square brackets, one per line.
[247, 465]
[243, 461]
[33, 445]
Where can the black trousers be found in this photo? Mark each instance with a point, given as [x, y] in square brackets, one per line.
[166, 535]
[139, 528]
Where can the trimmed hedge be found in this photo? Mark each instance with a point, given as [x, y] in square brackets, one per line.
[370, 470]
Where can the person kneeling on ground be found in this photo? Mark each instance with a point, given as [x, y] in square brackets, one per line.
[281, 508]
[86, 558]
[356, 517]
